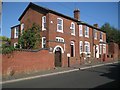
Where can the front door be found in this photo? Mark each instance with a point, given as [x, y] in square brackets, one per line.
[58, 58]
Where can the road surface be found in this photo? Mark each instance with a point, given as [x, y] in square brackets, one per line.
[98, 77]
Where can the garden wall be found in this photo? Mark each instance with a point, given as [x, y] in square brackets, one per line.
[24, 61]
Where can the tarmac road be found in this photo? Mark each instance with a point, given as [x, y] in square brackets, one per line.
[98, 77]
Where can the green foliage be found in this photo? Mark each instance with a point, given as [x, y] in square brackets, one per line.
[4, 38]
[7, 50]
[30, 38]
[113, 35]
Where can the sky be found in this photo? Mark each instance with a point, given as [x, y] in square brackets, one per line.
[90, 12]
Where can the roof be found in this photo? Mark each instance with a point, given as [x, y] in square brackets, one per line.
[31, 5]
[45, 9]
[15, 26]
[81, 22]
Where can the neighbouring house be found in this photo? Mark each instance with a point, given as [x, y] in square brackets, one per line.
[66, 37]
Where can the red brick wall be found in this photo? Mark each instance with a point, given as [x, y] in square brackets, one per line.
[112, 52]
[66, 35]
[23, 62]
[31, 16]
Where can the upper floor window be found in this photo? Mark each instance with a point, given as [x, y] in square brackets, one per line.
[101, 36]
[43, 23]
[81, 46]
[59, 39]
[72, 28]
[59, 25]
[87, 46]
[43, 42]
[86, 31]
[16, 32]
[80, 30]
[95, 34]
[22, 27]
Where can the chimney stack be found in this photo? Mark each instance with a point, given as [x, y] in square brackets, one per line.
[96, 25]
[77, 14]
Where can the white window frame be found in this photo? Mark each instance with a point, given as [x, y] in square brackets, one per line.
[88, 45]
[59, 39]
[22, 27]
[80, 30]
[101, 39]
[43, 42]
[15, 31]
[59, 24]
[104, 48]
[81, 44]
[73, 43]
[72, 28]
[87, 30]
[15, 44]
[95, 34]
[100, 50]
[43, 21]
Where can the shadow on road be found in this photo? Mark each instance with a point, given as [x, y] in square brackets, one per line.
[114, 74]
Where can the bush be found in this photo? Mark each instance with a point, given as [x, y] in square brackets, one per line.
[7, 50]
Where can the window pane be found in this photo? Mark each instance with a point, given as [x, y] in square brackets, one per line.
[44, 40]
[44, 19]
[72, 25]
[81, 32]
[59, 27]
[43, 45]
[81, 48]
[44, 25]
[59, 21]
[72, 30]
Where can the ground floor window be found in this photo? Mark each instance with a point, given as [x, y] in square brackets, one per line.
[87, 46]
[72, 46]
[43, 42]
[15, 44]
[81, 46]
[59, 39]
[100, 49]
[104, 48]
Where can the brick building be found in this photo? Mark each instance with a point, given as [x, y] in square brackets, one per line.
[66, 37]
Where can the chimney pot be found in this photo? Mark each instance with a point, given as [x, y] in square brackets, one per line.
[95, 25]
[77, 14]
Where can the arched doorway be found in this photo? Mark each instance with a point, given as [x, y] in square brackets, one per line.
[58, 50]
[58, 57]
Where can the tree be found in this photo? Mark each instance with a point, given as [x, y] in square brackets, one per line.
[4, 38]
[30, 38]
[113, 35]
[4, 41]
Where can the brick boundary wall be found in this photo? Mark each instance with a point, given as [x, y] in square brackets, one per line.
[31, 61]
[25, 62]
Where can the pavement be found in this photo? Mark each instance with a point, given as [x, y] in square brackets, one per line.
[51, 72]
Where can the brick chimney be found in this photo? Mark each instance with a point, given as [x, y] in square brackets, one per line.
[77, 14]
[96, 25]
